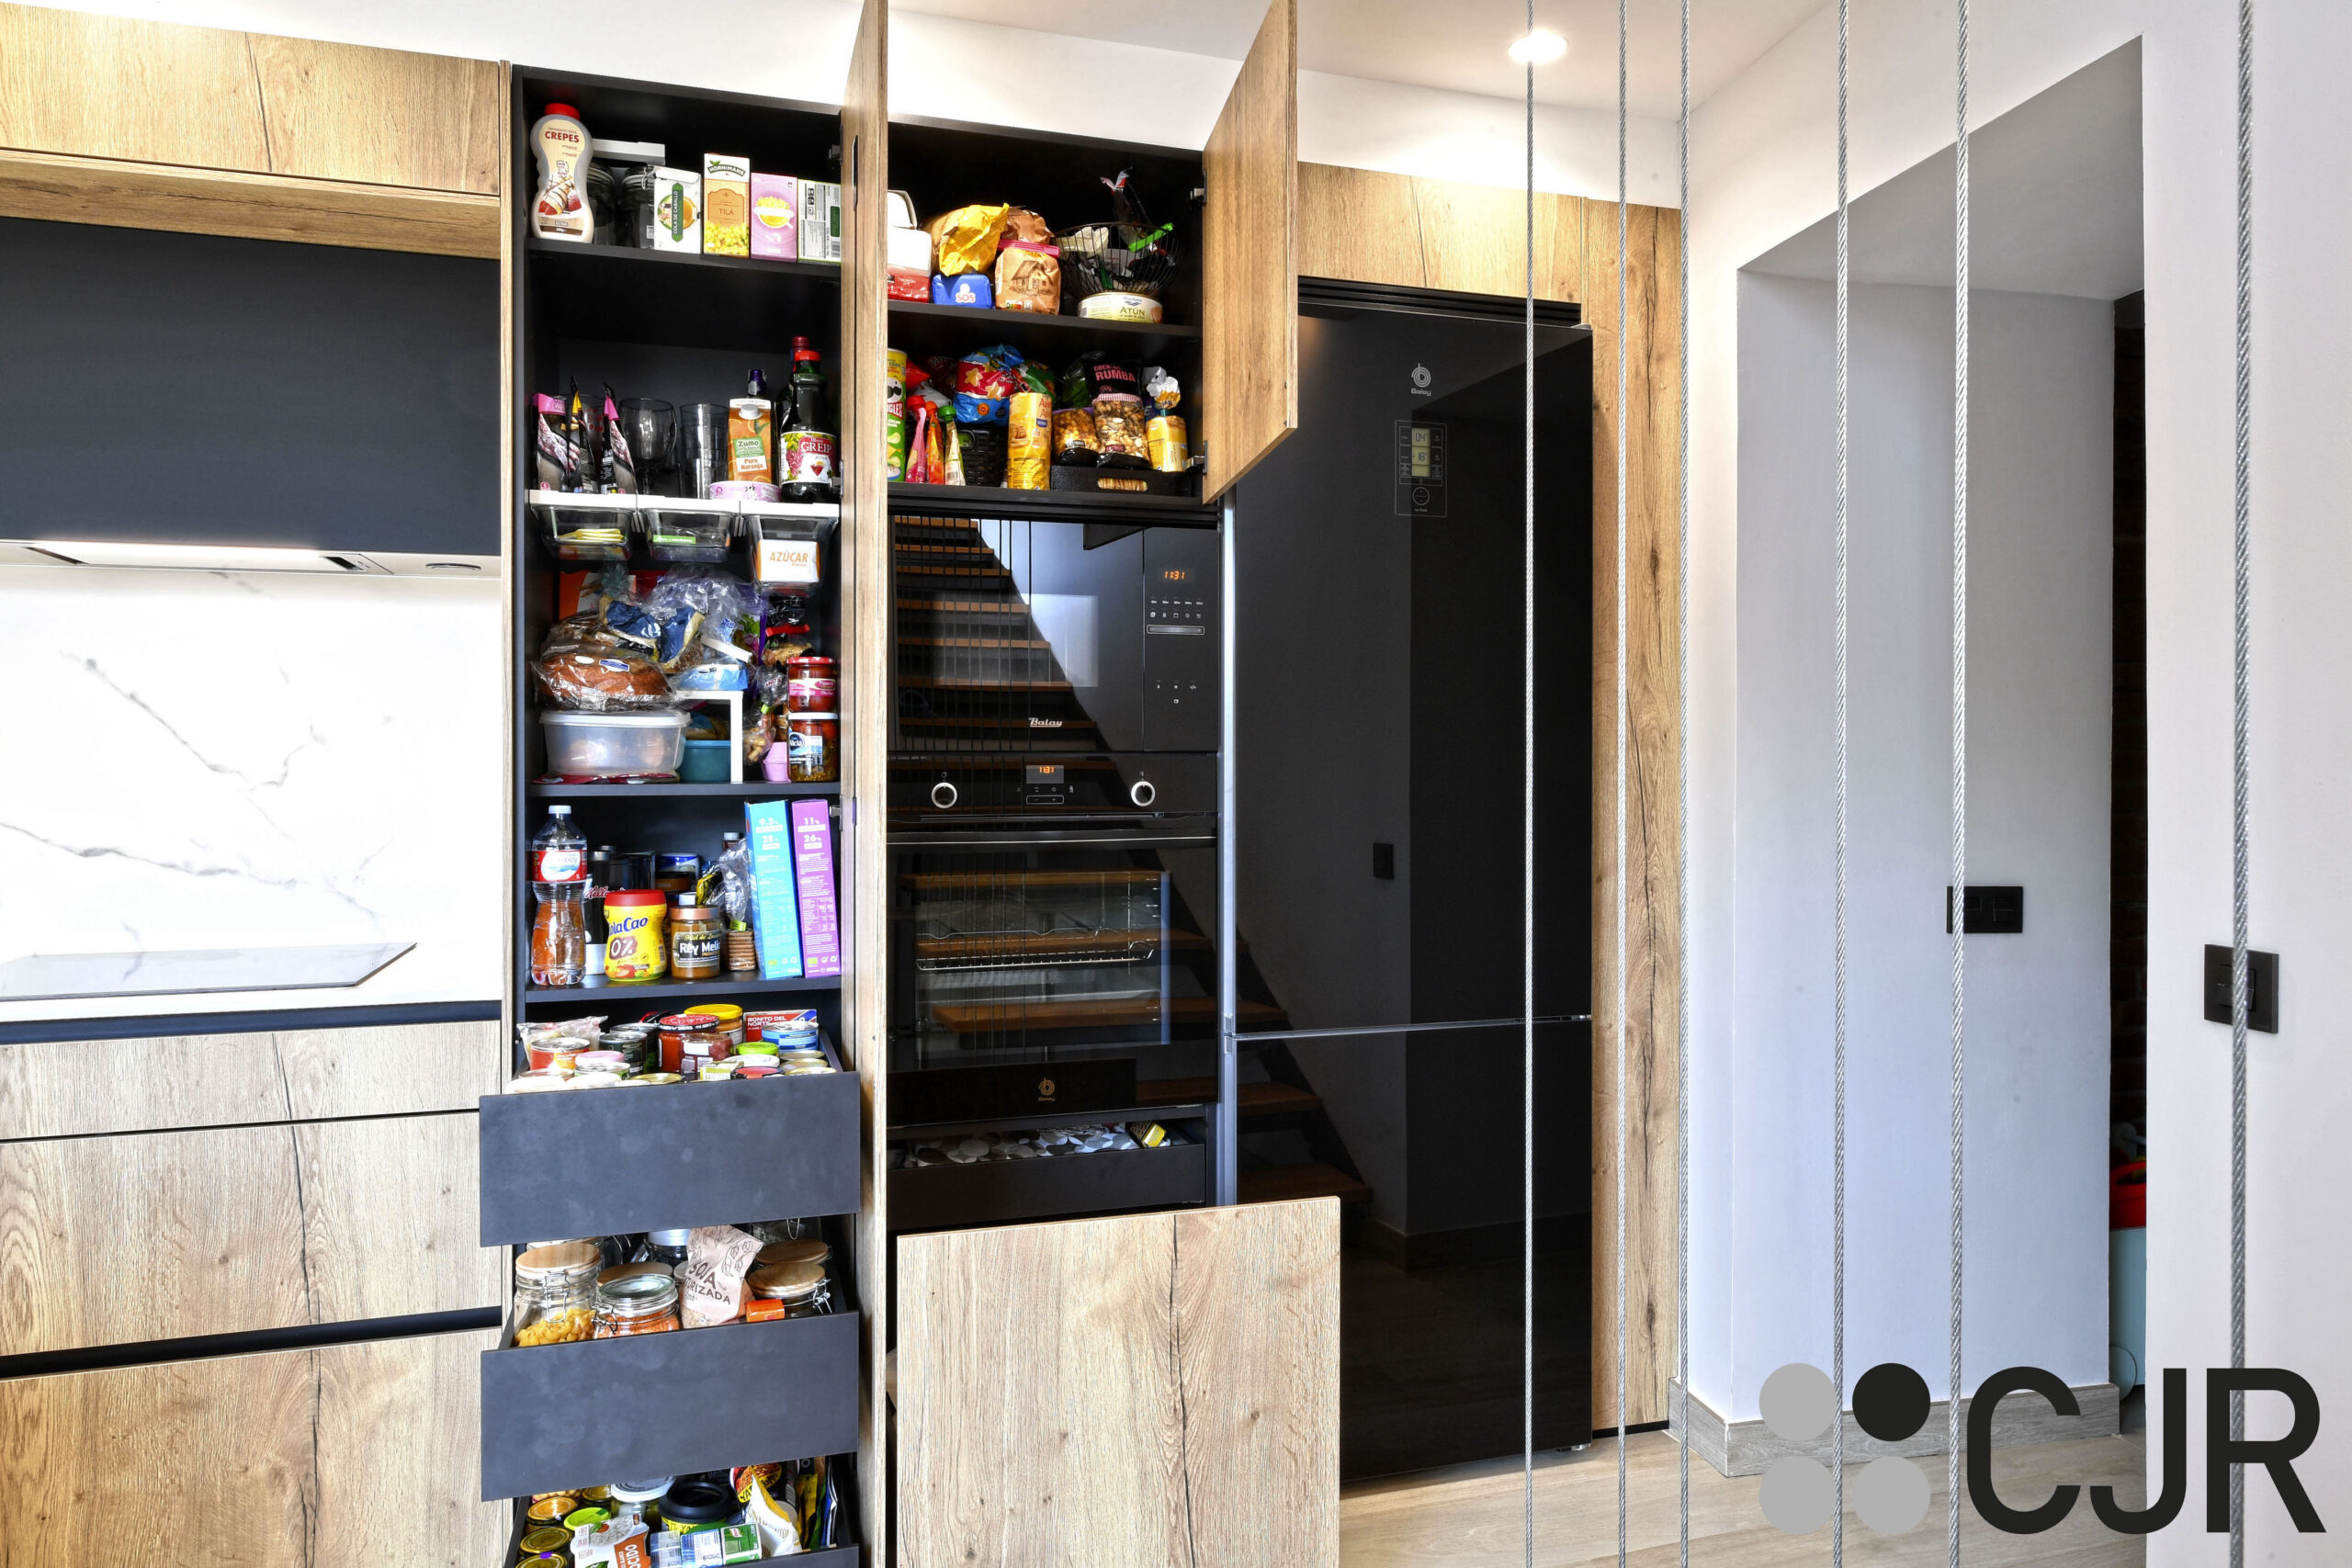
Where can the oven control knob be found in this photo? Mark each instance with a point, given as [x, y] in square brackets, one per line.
[1141, 793]
[943, 794]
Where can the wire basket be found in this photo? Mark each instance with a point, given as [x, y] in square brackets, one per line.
[1118, 258]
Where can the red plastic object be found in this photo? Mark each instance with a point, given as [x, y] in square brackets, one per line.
[2127, 1196]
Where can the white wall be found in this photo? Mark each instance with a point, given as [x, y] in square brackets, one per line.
[2039, 593]
[1764, 168]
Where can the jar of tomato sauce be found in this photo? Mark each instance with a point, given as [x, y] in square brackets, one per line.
[812, 683]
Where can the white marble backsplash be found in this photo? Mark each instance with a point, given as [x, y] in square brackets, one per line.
[221, 760]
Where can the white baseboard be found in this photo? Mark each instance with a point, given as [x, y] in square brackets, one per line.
[1748, 1447]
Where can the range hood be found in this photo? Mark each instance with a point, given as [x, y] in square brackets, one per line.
[183, 556]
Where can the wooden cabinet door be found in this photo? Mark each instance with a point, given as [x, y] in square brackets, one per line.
[1128, 1392]
[1250, 270]
[862, 546]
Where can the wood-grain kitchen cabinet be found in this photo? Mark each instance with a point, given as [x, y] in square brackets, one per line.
[295, 1459]
[140, 124]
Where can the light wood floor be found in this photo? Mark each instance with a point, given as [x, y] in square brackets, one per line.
[1475, 1520]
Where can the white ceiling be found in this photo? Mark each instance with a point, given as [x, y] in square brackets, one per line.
[2054, 202]
[1454, 44]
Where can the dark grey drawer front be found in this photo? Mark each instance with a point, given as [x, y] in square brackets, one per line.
[1005, 1191]
[602, 1410]
[602, 1162]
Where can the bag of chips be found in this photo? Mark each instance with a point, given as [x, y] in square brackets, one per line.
[985, 382]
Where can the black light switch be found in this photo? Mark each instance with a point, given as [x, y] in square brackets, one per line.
[1991, 911]
[2261, 988]
[1384, 861]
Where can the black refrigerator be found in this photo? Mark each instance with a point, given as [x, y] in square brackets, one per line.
[1380, 661]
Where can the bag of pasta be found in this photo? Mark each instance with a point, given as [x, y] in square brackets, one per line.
[965, 240]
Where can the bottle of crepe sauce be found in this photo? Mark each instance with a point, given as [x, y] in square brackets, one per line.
[559, 210]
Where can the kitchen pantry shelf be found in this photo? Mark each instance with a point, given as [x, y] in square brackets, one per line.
[679, 299]
[750, 789]
[994, 1191]
[711, 990]
[828, 1557]
[1056, 506]
[922, 329]
[695, 1399]
[602, 1163]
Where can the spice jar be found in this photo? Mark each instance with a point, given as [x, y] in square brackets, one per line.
[554, 1286]
[811, 684]
[787, 1290]
[637, 1304]
[635, 944]
[696, 936]
[813, 746]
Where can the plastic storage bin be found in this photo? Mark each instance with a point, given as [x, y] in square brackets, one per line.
[614, 745]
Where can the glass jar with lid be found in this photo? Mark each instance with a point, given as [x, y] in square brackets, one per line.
[637, 1304]
[554, 1293]
[787, 1290]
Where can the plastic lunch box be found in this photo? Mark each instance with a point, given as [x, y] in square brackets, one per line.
[613, 744]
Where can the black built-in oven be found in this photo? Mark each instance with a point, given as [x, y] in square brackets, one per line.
[1053, 819]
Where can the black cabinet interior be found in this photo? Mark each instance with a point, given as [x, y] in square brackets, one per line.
[191, 389]
[684, 328]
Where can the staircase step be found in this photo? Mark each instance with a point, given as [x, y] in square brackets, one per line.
[1257, 1099]
[1280, 1183]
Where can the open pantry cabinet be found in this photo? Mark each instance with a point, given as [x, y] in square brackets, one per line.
[782, 1152]
[1099, 849]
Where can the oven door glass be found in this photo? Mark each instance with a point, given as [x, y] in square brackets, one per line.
[1046, 951]
[1016, 637]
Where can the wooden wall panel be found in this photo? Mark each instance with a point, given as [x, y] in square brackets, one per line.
[1653, 945]
[118, 1240]
[1250, 268]
[867, 620]
[78, 1086]
[1360, 224]
[1474, 239]
[1369, 227]
[306, 1459]
[1148, 1390]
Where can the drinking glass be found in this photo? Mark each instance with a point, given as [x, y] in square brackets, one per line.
[650, 429]
[702, 447]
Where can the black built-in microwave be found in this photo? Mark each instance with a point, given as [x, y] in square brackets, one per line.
[1052, 668]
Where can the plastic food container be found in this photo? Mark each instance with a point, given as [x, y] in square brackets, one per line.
[706, 762]
[614, 745]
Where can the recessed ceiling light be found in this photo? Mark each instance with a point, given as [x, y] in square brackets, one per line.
[1539, 48]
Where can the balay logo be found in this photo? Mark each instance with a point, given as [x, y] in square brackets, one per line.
[1890, 1493]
